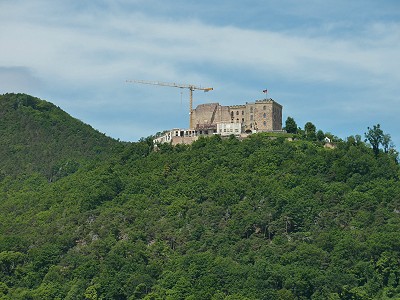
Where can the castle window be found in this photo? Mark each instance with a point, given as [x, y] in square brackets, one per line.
[231, 114]
[265, 123]
[251, 118]
[264, 107]
[242, 112]
[242, 120]
[237, 112]
[265, 115]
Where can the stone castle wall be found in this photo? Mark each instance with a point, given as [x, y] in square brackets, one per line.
[261, 115]
[239, 120]
[210, 113]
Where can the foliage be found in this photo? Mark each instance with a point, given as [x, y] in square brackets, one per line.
[290, 125]
[37, 136]
[376, 137]
[261, 218]
[310, 131]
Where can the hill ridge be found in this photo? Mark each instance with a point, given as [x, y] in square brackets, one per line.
[37, 136]
[260, 218]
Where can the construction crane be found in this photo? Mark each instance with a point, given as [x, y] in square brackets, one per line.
[181, 86]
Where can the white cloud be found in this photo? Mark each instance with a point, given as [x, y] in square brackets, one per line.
[104, 46]
[92, 48]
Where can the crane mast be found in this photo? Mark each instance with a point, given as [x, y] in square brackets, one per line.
[190, 87]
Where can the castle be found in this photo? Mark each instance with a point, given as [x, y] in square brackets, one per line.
[239, 120]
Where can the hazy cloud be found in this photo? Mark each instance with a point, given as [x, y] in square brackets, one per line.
[312, 53]
[18, 79]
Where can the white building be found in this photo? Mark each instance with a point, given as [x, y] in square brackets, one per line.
[226, 129]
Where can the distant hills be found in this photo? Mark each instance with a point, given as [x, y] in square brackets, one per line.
[37, 136]
[85, 217]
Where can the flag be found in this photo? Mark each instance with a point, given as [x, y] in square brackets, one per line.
[265, 91]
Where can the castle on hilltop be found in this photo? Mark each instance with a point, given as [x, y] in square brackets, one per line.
[239, 120]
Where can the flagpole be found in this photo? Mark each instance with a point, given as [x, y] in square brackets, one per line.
[265, 92]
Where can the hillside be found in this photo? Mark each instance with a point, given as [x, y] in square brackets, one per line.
[37, 136]
[225, 219]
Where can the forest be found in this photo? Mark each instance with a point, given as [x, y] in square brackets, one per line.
[84, 216]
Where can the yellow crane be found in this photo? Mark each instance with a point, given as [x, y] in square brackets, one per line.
[191, 88]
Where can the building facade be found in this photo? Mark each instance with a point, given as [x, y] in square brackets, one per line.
[212, 118]
[259, 116]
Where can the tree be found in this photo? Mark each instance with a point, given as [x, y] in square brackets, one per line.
[290, 125]
[91, 293]
[376, 137]
[310, 130]
[386, 142]
[320, 135]
[9, 260]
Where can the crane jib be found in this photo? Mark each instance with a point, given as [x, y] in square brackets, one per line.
[181, 86]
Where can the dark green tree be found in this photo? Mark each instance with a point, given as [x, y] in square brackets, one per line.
[310, 129]
[320, 135]
[290, 125]
[376, 137]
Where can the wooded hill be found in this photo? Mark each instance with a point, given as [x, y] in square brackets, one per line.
[224, 219]
[37, 136]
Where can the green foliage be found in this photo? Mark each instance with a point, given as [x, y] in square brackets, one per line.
[261, 218]
[290, 125]
[320, 135]
[376, 138]
[37, 136]
[310, 131]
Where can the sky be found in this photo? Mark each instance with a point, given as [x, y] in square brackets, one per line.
[335, 63]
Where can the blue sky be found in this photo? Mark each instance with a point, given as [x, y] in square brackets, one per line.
[334, 63]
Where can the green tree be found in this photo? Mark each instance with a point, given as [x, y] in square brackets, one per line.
[320, 135]
[376, 137]
[181, 290]
[387, 143]
[91, 293]
[3, 289]
[9, 260]
[290, 125]
[310, 129]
